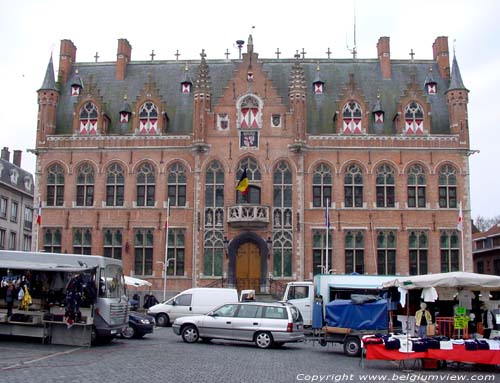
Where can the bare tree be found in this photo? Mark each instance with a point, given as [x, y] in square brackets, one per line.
[485, 223]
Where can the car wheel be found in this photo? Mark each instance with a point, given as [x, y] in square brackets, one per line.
[190, 334]
[162, 320]
[129, 332]
[352, 346]
[263, 340]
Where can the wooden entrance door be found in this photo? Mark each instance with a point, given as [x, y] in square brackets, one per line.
[248, 262]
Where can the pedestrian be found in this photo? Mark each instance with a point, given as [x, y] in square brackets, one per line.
[9, 299]
[422, 318]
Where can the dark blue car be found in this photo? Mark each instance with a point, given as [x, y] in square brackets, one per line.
[138, 325]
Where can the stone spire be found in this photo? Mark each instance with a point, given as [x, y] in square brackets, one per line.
[49, 82]
[297, 77]
[203, 83]
[456, 79]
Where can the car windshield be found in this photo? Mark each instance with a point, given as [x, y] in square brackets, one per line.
[115, 287]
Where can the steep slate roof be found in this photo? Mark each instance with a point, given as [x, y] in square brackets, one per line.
[167, 76]
[49, 82]
[23, 182]
[456, 79]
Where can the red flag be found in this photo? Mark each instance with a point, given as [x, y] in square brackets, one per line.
[460, 224]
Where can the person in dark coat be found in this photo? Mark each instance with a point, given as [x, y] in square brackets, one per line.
[9, 298]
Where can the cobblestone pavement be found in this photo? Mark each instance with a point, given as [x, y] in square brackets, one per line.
[164, 357]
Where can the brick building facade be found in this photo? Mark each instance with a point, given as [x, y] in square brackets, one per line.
[384, 143]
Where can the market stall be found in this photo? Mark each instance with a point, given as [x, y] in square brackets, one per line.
[452, 338]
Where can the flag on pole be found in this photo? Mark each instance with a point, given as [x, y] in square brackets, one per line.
[327, 214]
[460, 224]
[39, 214]
[243, 183]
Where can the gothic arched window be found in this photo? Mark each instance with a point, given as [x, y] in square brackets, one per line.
[414, 118]
[115, 185]
[148, 118]
[385, 186]
[447, 187]
[253, 175]
[85, 185]
[351, 118]
[146, 185]
[177, 181]
[416, 187]
[353, 187]
[322, 186]
[55, 186]
[88, 118]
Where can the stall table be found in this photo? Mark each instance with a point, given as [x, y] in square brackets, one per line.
[458, 354]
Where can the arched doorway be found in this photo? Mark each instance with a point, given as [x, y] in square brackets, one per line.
[248, 266]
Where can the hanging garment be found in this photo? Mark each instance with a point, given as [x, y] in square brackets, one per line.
[429, 294]
[26, 301]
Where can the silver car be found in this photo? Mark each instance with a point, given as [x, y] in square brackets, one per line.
[265, 324]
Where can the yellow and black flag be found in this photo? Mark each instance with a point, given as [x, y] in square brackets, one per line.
[243, 183]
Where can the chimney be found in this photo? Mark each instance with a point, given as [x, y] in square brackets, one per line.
[67, 57]
[17, 158]
[441, 55]
[122, 58]
[5, 154]
[384, 56]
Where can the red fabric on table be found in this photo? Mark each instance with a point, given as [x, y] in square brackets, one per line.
[378, 352]
[460, 354]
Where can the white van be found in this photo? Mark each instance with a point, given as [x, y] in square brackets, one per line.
[195, 301]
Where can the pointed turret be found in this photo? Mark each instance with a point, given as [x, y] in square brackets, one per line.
[202, 99]
[297, 95]
[457, 97]
[48, 98]
[49, 82]
[456, 79]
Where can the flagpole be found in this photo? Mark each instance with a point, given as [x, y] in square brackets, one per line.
[327, 219]
[165, 263]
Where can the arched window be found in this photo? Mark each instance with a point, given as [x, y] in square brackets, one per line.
[449, 246]
[253, 175]
[416, 187]
[148, 118]
[282, 254]
[354, 252]
[85, 185]
[282, 201]
[353, 187]
[115, 185]
[177, 181]
[385, 186]
[214, 195]
[322, 186]
[386, 253]
[351, 118]
[88, 118]
[143, 251]
[417, 245]
[146, 185]
[213, 253]
[319, 250]
[447, 187]
[55, 186]
[414, 118]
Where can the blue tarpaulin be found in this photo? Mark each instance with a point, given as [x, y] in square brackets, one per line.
[366, 316]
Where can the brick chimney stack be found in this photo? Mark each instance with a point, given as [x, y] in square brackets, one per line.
[5, 154]
[442, 56]
[122, 58]
[16, 160]
[67, 57]
[384, 56]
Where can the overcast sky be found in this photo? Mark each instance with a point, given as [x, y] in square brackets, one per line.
[31, 29]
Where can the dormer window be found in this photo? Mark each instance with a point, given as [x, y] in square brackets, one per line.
[88, 119]
[148, 118]
[414, 119]
[76, 85]
[318, 87]
[431, 88]
[186, 87]
[351, 118]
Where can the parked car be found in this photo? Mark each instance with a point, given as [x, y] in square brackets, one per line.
[195, 301]
[266, 324]
[138, 325]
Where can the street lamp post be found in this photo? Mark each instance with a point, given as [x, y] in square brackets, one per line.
[164, 268]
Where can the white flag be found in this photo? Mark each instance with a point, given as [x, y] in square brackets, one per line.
[460, 224]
